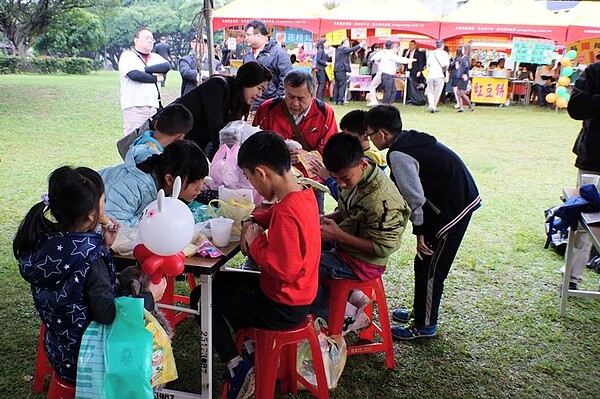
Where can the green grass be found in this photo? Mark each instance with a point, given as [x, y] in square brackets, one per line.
[500, 334]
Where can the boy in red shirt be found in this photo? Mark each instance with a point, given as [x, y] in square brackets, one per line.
[280, 296]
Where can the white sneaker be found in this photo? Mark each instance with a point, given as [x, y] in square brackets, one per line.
[358, 322]
[372, 104]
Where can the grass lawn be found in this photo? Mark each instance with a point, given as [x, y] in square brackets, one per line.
[500, 334]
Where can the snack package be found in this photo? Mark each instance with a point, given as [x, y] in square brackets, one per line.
[163, 361]
[305, 159]
[207, 249]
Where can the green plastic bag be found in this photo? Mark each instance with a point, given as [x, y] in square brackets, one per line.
[115, 361]
[128, 353]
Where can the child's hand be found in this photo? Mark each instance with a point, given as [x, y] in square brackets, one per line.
[318, 168]
[251, 233]
[329, 230]
[158, 290]
[110, 232]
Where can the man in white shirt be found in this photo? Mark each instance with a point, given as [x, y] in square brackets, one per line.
[388, 63]
[141, 71]
[437, 64]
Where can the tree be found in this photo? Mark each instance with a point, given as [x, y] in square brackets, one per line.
[23, 21]
[72, 33]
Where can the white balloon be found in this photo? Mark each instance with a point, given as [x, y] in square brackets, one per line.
[166, 226]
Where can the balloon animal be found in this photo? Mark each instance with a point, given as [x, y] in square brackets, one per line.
[166, 227]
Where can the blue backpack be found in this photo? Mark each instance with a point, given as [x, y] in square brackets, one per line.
[560, 218]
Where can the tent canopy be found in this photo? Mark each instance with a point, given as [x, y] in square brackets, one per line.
[303, 14]
[402, 15]
[504, 17]
[584, 21]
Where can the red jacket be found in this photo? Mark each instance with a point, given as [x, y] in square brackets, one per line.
[317, 126]
[289, 257]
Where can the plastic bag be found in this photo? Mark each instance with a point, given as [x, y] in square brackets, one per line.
[236, 132]
[224, 169]
[236, 210]
[128, 352]
[333, 350]
[115, 361]
[163, 362]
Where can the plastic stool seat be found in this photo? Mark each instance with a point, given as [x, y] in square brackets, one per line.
[42, 367]
[340, 289]
[272, 346]
[60, 389]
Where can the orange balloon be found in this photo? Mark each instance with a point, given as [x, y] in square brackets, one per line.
[566, 62]
[561, 102]
[551, 97]
[564, 81]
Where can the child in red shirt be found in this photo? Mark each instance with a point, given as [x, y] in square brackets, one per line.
[280, 296]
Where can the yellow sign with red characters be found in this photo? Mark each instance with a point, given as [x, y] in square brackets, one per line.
[489, 90]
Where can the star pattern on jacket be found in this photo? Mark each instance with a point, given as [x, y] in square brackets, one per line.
[47, 266]
[83, 247]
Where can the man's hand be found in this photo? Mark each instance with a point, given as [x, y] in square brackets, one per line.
[294, 154]
[329, 230]
[159, 77]
[422, 248]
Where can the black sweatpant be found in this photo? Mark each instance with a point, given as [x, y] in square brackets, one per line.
[431, 272]
[239, 302]
[389, 88]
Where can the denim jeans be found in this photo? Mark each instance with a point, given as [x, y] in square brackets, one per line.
[331, 266]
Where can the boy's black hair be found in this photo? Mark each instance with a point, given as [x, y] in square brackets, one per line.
[265, 148]
[354, 121]
[173, 120]
[385, 117]
[73, 193]
[182, 158]
[341, 151]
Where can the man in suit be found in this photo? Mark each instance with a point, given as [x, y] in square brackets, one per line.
[163, 49]
[341, 67]
[415, 68]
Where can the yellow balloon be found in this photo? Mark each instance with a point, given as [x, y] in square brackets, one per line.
[564, 81]
[566, 62]
[561, 102]
[551, 97]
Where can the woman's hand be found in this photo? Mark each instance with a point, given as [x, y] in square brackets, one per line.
[158, 290]
[110, 232]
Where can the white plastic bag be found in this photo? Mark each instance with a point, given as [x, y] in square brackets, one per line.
[333, 350]
[236, 132]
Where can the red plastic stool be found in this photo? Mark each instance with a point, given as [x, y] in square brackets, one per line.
[274, 345]
[60, 389]
[170, 297]
[340, 289]
[42, 367]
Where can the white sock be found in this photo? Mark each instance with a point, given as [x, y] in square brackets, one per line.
[351, 310]
[359, 299]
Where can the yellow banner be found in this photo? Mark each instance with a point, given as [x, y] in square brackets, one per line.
[383, 33]
[587, 50]
[336, 37]
[489, 90]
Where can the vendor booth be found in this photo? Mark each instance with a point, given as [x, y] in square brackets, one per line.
[583, 34]
[377, 21]
[524, 22]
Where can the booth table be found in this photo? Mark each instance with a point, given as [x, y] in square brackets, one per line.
[489, 90]
[520, 87]
[205, 269]
[593, 231]
[358, 82]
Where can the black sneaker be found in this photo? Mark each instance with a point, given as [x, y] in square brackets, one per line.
[240, 380]
[573, 286]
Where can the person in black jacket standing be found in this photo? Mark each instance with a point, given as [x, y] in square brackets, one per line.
[584, 105]
[442, 196]
[321, 63]
[341, 67]
[163, 49]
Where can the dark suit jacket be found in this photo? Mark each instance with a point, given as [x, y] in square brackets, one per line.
[417, 65]
[164, 50]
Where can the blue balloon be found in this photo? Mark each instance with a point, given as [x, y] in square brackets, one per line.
[566, 71]
[561, 91]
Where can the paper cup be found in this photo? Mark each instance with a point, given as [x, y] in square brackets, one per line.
[588, 178]
[220, 229]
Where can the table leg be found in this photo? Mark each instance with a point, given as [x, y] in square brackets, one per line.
[564, 292]
[206, 334]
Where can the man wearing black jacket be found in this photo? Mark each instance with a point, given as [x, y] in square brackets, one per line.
[442, 196]
[584, 105]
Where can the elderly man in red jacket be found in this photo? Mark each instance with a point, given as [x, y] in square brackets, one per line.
[300, 117]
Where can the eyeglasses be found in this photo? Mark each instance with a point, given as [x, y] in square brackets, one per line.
[366, 133]
[250, 34]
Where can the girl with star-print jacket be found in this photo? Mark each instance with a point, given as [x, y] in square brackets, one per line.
[68, 265]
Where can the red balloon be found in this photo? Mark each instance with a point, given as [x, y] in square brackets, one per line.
[157, 266]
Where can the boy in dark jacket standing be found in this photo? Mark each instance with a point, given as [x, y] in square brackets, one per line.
[442, 196]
